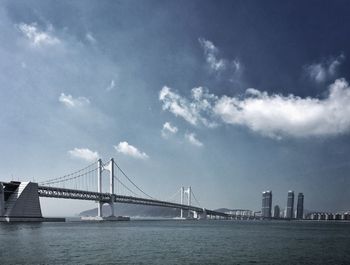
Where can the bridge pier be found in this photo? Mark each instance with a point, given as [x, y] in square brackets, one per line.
[198, 215]
[99, 209]
[111, 204]
[205, 216]
[19, 202]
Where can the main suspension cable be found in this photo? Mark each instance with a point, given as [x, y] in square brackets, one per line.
[120, 182]
[68, 175]
[194, 196]
[132, 182]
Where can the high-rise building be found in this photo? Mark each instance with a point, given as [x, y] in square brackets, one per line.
[290, 205]
[276, 212]
[300, 206]
[266, 204]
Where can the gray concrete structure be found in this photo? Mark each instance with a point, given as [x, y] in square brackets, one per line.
[23, 201]
[19, 202]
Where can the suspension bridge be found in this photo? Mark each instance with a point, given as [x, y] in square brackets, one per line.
[19, 201]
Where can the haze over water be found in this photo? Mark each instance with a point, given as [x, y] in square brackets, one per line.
[176, 242]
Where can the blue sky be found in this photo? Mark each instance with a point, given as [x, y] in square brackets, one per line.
[230, 97]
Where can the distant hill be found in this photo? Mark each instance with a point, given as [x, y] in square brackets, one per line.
[222, 210]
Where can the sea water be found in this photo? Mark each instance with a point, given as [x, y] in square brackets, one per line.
[176, 242]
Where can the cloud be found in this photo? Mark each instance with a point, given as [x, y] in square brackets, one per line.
[190, 110]
[325, 70]
[37, 37]
[211, 53]
[111, 85]
[168, 129]
[271, 115]
[90, 38]
[84, 153]
[277, 115]
[216, 64]
[71, 102]
[127, 149]
[191, 138]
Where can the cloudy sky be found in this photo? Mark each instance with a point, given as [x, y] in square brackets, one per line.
[230, 97]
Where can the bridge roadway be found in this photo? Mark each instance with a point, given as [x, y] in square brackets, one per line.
[53, 192]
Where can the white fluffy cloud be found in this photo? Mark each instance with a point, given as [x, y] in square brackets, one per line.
[71, 102]
[168, 129]
[272, 115]
[190, 110]
[217, 64]
[277, 115]
[191, 138]
[127, 149]
[84, 153]
[324, 70]
[211, 53]
[36, 36]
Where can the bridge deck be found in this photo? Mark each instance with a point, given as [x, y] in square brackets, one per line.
[53, 192]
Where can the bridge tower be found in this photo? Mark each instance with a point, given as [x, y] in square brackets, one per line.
[110, 168]
[182, 202]
[188, 191]
[111, 185]
[99, 186]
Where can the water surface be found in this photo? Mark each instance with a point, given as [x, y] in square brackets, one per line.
[176, 242]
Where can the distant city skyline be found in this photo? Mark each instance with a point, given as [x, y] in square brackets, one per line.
[289, 211]
[231, 98]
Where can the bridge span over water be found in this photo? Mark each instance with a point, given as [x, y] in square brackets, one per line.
[20, 200]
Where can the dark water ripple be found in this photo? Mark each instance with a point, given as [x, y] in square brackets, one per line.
[176, 242]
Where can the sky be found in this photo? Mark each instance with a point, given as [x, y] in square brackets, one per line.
[229, 97]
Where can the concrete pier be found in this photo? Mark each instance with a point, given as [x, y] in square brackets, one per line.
[19, 202]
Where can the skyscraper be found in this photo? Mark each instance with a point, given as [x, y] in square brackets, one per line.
[276, 212]
[300, 206]
[290, 205]
[266, 204]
